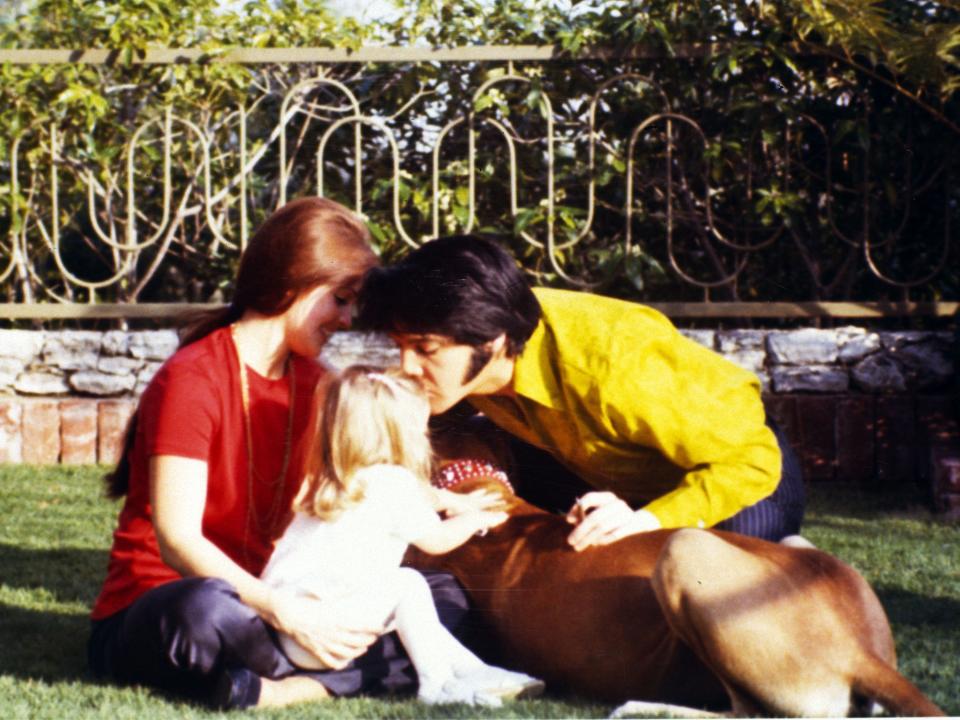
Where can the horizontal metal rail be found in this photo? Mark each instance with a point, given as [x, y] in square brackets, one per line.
[99, 311]
[688, 310]
[368, 54]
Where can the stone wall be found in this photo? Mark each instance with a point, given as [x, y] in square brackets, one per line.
[873, 407]
[83, 363]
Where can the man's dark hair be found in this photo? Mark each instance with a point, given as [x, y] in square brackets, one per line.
[465, 287]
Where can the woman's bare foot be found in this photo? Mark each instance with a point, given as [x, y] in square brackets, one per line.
[289, 691]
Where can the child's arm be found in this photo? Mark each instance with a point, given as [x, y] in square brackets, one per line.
[455, 531]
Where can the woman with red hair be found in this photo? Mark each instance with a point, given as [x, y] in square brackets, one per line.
[210, 468]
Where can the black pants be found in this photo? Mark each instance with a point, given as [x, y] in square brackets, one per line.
[181, 637]
[540, 479]
[781, 513]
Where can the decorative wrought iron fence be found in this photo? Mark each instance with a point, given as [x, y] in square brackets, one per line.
[629, 174]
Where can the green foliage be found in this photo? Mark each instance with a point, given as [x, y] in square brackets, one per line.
[787, 120]
[917, 43]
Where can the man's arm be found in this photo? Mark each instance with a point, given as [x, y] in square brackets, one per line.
[698, 411]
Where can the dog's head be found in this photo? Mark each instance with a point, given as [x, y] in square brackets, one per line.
[466, 475]
[475, 456]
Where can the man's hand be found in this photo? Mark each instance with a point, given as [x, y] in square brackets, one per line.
[322, 628]
[602, 518]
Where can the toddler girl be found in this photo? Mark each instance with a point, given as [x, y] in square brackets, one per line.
[365, 498]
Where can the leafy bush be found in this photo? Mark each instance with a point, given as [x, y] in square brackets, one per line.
[745, 150]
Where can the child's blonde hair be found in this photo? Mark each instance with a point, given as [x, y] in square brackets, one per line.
[368, 416]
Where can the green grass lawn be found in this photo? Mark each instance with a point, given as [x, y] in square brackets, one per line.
[55, 532]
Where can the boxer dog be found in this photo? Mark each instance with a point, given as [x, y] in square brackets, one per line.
[699, 618]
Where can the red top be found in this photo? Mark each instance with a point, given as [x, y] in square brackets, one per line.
[192, 408]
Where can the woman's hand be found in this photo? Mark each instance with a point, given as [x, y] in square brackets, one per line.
[602, 518]
[178, 489]
[321, 628]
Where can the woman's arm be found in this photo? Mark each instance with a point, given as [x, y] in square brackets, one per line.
[455, 531]
[178, 492]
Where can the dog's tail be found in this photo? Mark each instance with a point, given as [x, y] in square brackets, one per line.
[880, 682]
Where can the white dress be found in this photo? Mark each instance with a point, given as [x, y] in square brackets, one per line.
[353, 560]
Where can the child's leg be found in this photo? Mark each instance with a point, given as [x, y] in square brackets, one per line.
[369, 608]
[436, 654]
[448, 671]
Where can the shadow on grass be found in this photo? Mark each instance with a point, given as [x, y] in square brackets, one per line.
[928, 642]
[65, 574]
[905, 609]
[37, 639]
[863, 503]
[43, 645]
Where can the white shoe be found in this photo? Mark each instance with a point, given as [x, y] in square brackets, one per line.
[493, 685]
[797, 541]
[487, 685]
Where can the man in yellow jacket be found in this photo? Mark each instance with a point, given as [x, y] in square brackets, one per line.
[652, 430]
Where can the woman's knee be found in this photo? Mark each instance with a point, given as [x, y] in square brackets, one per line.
[453, 606]
[193, 618]
[174, 628]
[206, 605]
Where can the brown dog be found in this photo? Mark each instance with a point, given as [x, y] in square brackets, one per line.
[697, 617]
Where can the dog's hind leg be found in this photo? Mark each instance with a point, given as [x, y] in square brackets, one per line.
[758, 624]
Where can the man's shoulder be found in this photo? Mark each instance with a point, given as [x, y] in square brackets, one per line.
[585, 329]
[596, 311]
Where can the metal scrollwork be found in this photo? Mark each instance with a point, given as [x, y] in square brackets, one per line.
[678, 199]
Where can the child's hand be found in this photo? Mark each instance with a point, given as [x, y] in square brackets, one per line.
[485, 500]
[457, 503]
[488, 519]
[454, 531]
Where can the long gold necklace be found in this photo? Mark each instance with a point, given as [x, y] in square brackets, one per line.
[277, 484]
